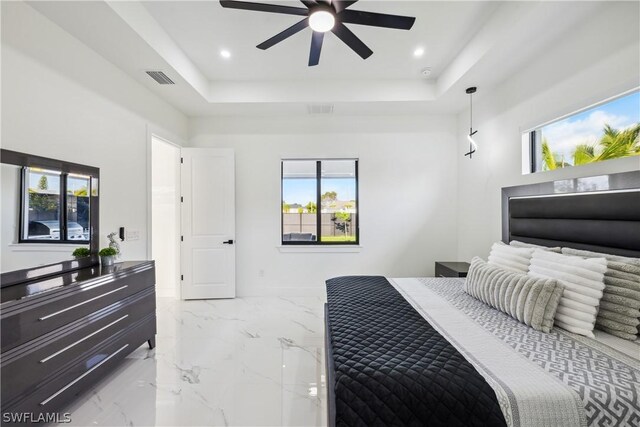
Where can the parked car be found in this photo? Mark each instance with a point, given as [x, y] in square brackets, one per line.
[298, 237]
[50, 230]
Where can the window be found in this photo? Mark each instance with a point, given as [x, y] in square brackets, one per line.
[55, 206]
[320, 202]
[607, 131]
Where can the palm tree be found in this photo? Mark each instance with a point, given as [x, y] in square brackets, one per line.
[612, 145]
[616, 143]
[548, 157]
[551, 160]
[583, 154]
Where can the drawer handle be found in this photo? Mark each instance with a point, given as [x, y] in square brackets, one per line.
[82, 339]
[81, 303]
[57, 393]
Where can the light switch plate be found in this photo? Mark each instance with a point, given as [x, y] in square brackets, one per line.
[132, 235]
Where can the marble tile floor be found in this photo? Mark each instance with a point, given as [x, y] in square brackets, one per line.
[241, 362]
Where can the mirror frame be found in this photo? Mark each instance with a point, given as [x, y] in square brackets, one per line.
[16, 158]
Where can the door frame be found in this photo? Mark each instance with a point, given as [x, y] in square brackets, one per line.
[167, 137]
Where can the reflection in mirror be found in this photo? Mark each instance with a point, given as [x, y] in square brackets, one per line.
[42, 213]
[41, 205]
[78, 212]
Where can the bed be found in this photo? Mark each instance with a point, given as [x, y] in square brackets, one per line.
[421, 351]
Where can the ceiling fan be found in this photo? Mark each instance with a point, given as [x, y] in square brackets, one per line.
[323, 16]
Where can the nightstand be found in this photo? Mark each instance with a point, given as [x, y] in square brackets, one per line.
[451, 269]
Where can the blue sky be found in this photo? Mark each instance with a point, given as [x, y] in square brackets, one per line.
[303, 191]
[53, 181]
[586, 127]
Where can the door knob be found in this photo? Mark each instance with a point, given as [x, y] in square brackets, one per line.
[228, 242]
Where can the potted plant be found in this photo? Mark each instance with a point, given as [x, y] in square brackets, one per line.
[107, 256]
[81, 253]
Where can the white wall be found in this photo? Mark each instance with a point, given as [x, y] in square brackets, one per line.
[585, 67]
[407, 173]
[60, 99]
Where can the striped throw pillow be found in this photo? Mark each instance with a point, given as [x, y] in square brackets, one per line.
[530, 300]
[619, 312]
[510, 258]
[583, 281]
[519, 244]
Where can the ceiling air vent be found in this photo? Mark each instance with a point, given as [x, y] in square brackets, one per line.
[320, 108]
[160, 77]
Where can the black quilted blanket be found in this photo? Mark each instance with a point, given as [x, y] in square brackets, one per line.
[387, 366]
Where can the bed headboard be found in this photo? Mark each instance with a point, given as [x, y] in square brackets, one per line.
[600, 213]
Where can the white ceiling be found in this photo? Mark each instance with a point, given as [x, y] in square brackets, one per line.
[202, 29]
[475, 43]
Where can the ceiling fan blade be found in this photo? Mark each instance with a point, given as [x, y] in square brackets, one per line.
[309, 3]
[340, 5]
[376, 19]
[351, 40]
[263, 7]
[284, 34]
[316, 47]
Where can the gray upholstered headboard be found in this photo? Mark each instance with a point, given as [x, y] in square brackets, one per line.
[599, 213]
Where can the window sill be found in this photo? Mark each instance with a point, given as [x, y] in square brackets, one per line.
[319, 249]
[44, 247]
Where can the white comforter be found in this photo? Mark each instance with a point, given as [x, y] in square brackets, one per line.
[555, 379]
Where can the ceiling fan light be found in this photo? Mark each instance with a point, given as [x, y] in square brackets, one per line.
[322, 21]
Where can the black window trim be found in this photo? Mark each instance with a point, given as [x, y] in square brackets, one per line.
[63, 209]
[318, 242]
[532, 151]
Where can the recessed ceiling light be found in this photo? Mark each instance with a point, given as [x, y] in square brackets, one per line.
[418, 52]
[225, 54]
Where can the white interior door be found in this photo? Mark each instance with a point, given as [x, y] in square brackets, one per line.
[208, 223]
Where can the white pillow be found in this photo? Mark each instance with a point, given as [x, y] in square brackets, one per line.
[583, 280]
[510, 258]
[519, 244]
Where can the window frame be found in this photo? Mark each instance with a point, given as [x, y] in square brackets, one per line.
[532, 151]
[318, 200]
[63, 206]
[532, 134]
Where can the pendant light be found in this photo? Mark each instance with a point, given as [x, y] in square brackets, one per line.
[473, 147]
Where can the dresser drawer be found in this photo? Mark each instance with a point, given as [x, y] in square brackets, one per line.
[51, 395]
[23, 322]
[25, 367]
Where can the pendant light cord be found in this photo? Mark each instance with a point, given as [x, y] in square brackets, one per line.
[470, 113]
[470, 123]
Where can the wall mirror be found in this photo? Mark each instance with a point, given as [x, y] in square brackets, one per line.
[49, 208]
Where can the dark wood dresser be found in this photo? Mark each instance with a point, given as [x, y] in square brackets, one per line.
[61, 334]
[451, 269]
